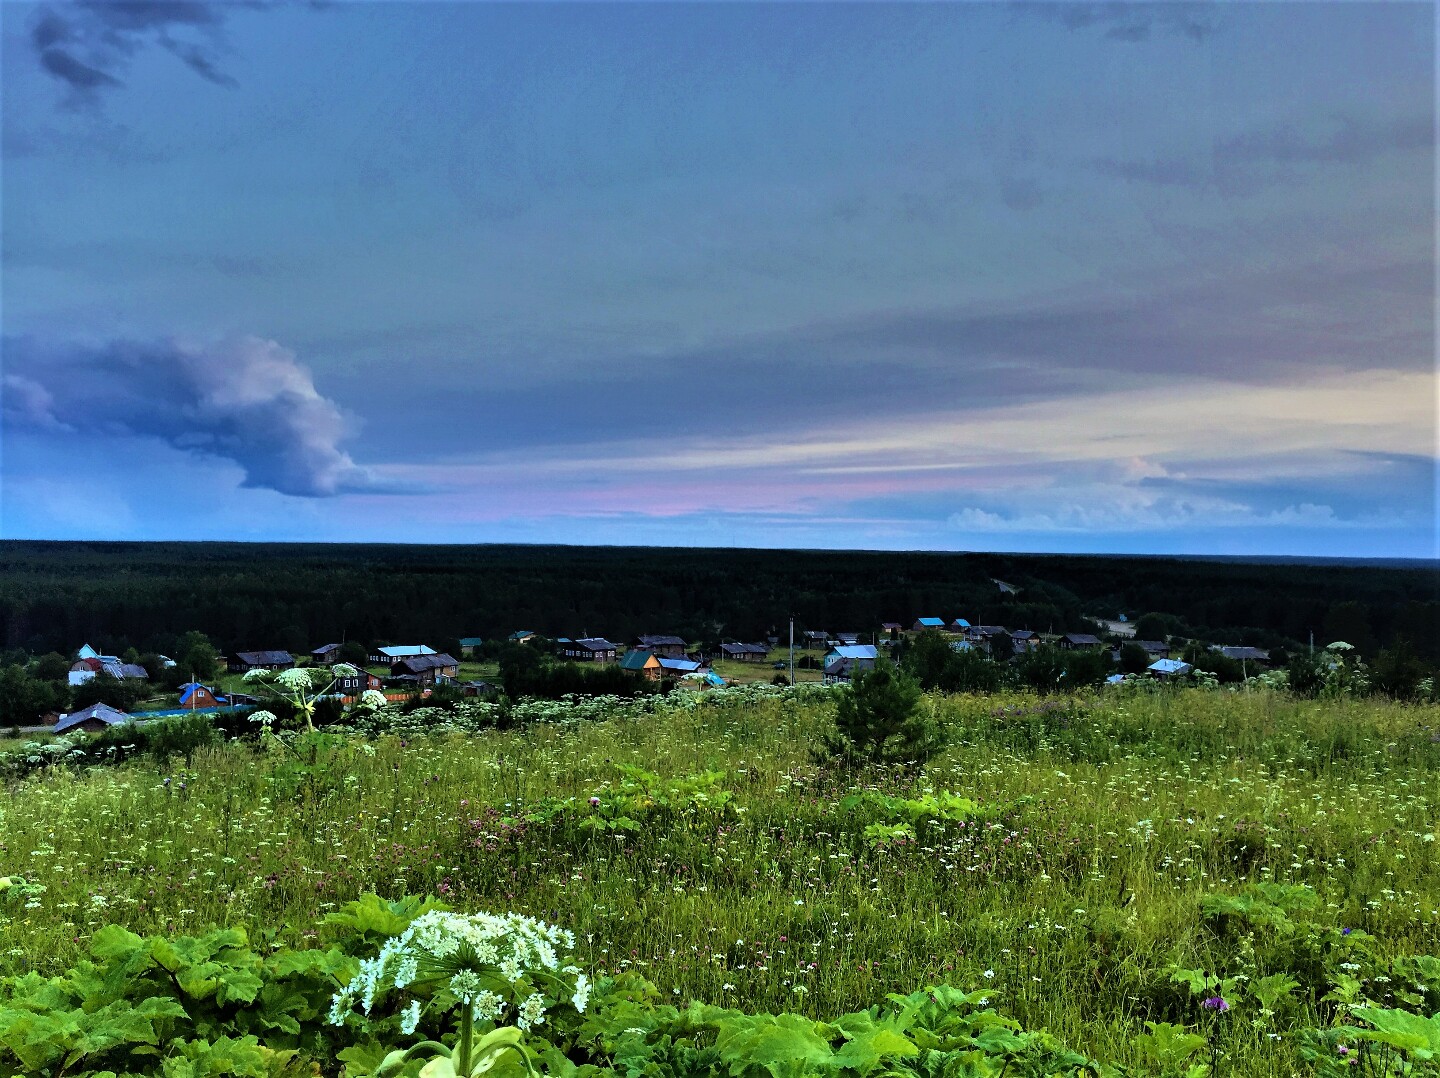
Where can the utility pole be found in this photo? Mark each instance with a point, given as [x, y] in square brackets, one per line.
[792, 649]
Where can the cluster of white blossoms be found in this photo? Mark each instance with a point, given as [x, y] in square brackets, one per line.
[487, 962]
[372, 698]
[295, 679]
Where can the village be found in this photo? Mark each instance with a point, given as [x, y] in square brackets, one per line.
[402, 672]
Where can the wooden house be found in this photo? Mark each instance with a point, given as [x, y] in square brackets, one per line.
[92, 719]
[427, 670]
[194, 697]
[670, 647]
[242, 662]
[325, 655]
[353, 684]
[393, 653]
[589, 649]
[642, 662]
[745, 653]
[842, 662]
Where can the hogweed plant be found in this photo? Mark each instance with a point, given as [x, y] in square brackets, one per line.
[301, 689]
[491, 968]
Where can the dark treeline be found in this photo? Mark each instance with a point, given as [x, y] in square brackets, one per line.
[56, 595]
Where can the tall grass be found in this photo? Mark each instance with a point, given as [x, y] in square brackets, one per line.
[1132, 808]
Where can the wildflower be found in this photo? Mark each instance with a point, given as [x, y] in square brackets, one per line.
[989, 974]
[594, 801]
[410, 1018]
[582, 993]
[532, 1011]
[488, 1007]
[465, 985]
[294, 679]
[1216, 1004]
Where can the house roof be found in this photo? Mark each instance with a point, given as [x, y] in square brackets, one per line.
[405, 651]
[1023, 634]
[842, 664]
[521, 634]
[264, 658]
[738, 648]
[991, 630]
[960, 623]
[1081, 638]
[660, 641]
[887, 625]
[594, 643]
[115, 668]
[1152, 646]
[417, 663]
[932, 623]
[678, 666]
[848, 638]
[1169, 666]
[852, 651]
[87, 652]
[471, 641]
[637, 659]
[325, 649]
[104, 712]
[1253, 654]
[193, 687]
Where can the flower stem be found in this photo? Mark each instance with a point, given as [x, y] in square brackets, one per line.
[467, 1033]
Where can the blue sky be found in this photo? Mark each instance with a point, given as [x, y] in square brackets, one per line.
[987, 276]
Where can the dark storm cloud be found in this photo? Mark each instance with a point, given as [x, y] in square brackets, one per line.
[1260, 158]
[89, 45]
[246, 400]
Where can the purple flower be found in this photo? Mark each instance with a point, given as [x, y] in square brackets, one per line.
[1215, 1003]
[1346, 931]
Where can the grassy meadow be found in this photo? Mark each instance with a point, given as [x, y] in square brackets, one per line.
[1076, 895]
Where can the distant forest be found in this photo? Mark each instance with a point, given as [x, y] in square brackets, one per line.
[54, 596]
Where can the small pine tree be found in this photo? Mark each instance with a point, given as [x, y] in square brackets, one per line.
[879, 722]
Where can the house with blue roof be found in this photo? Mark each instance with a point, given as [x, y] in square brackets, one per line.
[394, 653]
[842, 662]
[195, 696]
[927, 623]
[1169, 668]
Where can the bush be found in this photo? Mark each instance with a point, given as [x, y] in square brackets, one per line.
[179, 735]
[878, 721]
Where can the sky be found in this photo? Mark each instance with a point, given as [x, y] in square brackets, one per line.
[1069, 277]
